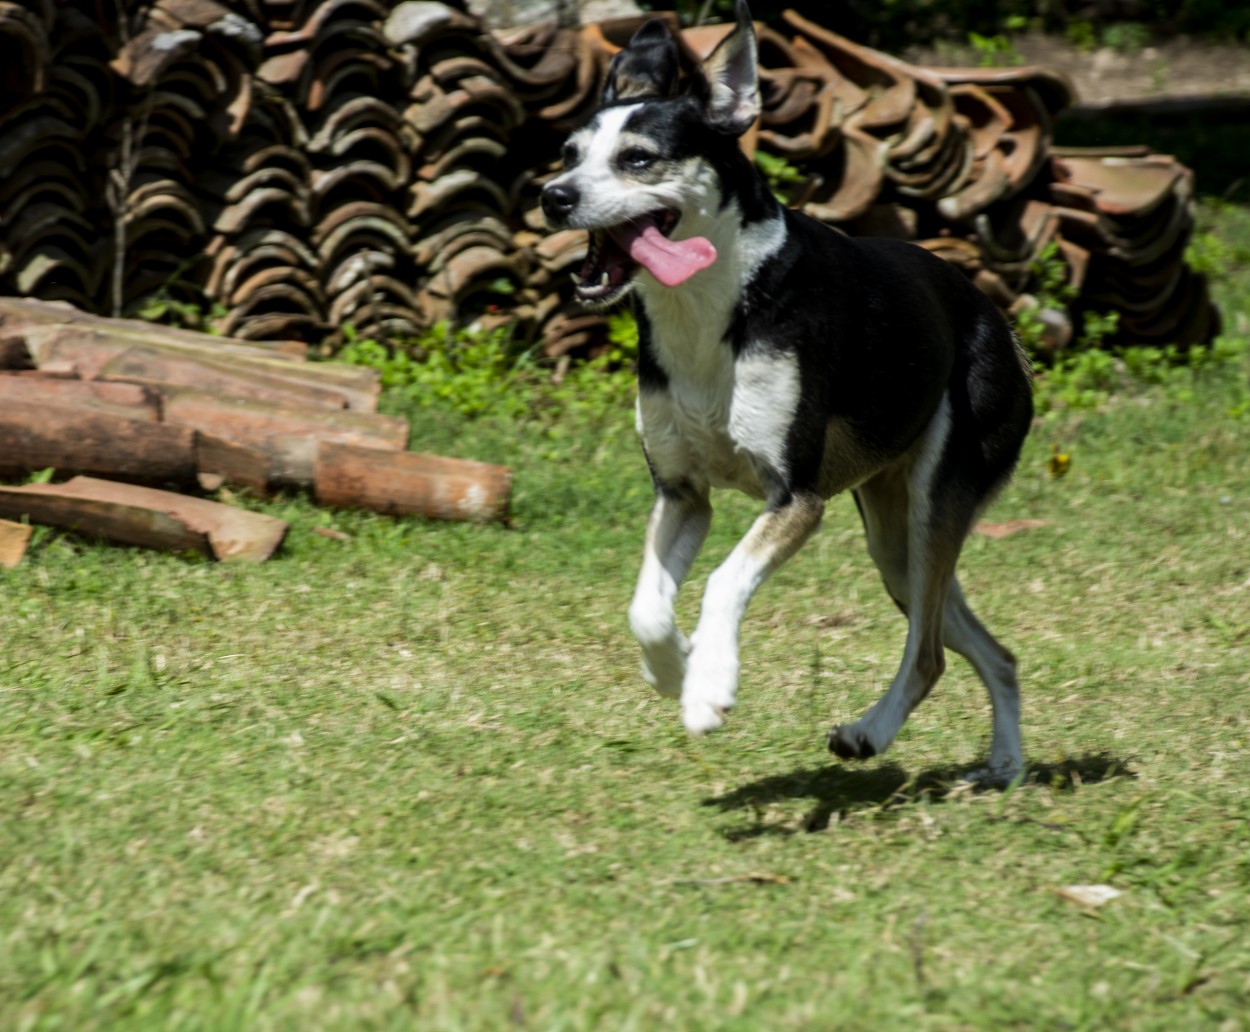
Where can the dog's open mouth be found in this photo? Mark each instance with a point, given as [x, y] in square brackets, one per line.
[617, 251]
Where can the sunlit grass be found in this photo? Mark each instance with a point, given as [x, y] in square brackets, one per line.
[413, 780]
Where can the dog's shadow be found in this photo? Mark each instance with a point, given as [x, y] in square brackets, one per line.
[838, 790]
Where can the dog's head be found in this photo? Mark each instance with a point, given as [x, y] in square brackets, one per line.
[646, 175]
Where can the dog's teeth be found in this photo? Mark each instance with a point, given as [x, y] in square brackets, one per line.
[575, 278]
[603, 282]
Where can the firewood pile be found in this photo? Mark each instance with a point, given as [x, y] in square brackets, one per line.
[294, 166]
[134, 409]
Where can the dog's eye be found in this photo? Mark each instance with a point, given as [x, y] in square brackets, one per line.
[637, 157]
[569, 154]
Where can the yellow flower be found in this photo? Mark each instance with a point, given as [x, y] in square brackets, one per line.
[1059, 463]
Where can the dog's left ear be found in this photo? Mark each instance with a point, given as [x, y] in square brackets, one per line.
[646, 68]
[731, 77]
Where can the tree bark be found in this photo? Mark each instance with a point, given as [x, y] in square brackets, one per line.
[86, 352]
[19, 314]
[408, 483]
[147, 517]
[36, 435]
[79, 432]
[157, 369]
[288, 435]
[128, 400]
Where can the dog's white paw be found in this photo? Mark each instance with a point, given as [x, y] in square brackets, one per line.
[664, 666]
[709, 691]
[700, 718]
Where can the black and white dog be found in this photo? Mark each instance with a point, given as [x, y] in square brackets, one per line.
[781, 358]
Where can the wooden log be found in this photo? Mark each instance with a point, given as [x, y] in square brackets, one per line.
[87, 352]
[37, 435]
[14, 537]
[120, 442]
[218, 462]
[147, 517]
[13, 353]
[127, 400]
[288, 435]
[408, 483]
[18, 314]
[157, 369]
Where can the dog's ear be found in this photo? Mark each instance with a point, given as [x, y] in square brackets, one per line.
[731, 95]
[645, 68]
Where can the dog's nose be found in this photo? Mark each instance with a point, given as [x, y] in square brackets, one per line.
[559, 199]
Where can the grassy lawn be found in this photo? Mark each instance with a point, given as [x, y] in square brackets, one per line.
[412, 779]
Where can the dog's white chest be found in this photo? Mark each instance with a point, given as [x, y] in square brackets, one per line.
[720, 421]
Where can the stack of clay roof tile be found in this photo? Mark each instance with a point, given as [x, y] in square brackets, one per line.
[345, 82]
[54, 87]
[461, 112]
[261, 268]
[301, 165]
[187, 89]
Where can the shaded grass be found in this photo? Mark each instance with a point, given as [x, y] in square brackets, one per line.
[413, 779]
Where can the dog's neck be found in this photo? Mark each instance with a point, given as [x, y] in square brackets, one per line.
[746, 225]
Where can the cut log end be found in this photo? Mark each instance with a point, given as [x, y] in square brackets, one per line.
[411, 484]
[14, 537]
[149, 518]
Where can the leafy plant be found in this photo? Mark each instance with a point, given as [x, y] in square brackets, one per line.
[780, 175]
[1078, 380]
[1126, 37]
[470, 371]
[994, 50]
[1214, 256]
[162, 307]
[1080, 32]
[169, 306]
[1051, 291]
[1088, 379]
[475, 371]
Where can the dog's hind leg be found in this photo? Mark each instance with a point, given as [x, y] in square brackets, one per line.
[916, 524]
[885, 507]
[711, 683]
[678, 526]
[996, 666]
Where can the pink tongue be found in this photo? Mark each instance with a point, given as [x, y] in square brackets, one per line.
[671, 261]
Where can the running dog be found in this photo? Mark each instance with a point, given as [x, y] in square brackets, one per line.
[786, 360]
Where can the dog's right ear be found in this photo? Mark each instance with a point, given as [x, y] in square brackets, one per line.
[645, 68]
[731, 77]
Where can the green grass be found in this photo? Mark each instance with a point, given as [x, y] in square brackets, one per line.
[413, 780]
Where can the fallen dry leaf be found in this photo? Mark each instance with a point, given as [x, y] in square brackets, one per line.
[1088, 895]
[1002, 530]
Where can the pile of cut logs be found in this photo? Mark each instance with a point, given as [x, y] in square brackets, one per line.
[136, 409]
[292, 166]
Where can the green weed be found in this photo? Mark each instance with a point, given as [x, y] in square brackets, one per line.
[994, 51]
[782, 177]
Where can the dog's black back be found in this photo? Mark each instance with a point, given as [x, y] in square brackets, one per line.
[881, 329]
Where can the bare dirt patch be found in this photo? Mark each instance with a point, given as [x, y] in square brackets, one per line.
[1180, 67]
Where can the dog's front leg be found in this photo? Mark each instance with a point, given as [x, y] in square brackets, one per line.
[711, 683]
[679, 523]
